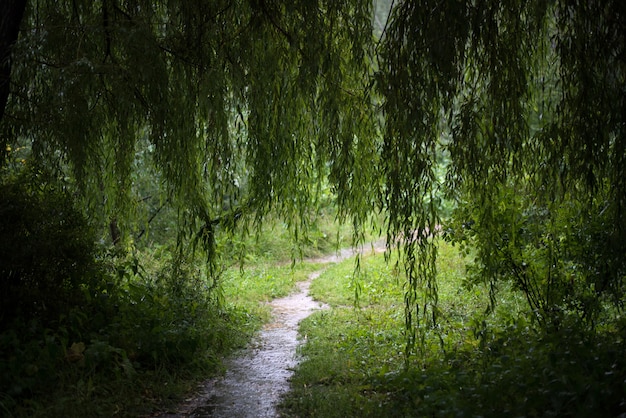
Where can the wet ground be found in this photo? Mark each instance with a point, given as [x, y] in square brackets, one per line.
[257, 378]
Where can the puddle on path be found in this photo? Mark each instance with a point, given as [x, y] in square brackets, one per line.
[257, 378]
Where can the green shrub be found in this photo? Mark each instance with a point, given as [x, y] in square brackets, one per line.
[47, 252]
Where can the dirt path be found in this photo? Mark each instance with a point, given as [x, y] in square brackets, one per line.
[257, 378]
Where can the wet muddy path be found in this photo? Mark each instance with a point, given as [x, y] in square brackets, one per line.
[257, 378]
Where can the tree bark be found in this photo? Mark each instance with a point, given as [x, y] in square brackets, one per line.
[11, 14]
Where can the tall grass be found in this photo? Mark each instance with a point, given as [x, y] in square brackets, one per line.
[470, 364]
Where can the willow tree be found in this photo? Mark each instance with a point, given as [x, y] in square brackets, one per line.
[254, 99]
[266, 99]
[527, 100]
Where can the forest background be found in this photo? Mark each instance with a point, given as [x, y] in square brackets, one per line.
[148, 147]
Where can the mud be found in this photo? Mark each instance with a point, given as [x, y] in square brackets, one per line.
[257, 378]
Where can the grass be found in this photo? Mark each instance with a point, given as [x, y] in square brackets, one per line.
[248, 290]
[160, 338]
[80, 391]
[469, 365]
[155, 331]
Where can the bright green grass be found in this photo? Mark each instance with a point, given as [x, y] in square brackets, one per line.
[469, 365]
[272, 242]
[249, 289]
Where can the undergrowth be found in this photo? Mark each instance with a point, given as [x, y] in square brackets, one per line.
[470, 364]
[109, 332]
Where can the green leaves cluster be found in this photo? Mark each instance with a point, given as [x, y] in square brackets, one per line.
[514, 111]
[242, 103]
[47, 250]
[526, 100]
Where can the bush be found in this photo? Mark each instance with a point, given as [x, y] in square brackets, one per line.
[47, 252]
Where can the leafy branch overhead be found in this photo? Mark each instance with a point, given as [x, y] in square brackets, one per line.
[502, 115]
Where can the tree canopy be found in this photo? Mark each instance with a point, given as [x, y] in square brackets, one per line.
[512, 111]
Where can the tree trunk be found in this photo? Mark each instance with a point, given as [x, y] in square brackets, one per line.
[11, 14]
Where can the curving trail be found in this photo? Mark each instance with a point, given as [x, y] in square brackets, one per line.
[257, 378]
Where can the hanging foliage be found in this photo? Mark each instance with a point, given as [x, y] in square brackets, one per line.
[248, 106]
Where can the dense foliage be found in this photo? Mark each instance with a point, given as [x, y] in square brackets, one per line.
[497, 124]
[246, 106]
[78, 322]
[527, 103]
[353, 363]
[47, 251]
[239, 103]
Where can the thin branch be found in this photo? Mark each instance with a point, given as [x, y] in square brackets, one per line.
[382, 34]
[154, 215]
[275, 24]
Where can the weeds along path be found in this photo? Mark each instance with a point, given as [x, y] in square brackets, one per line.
[257, 378]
